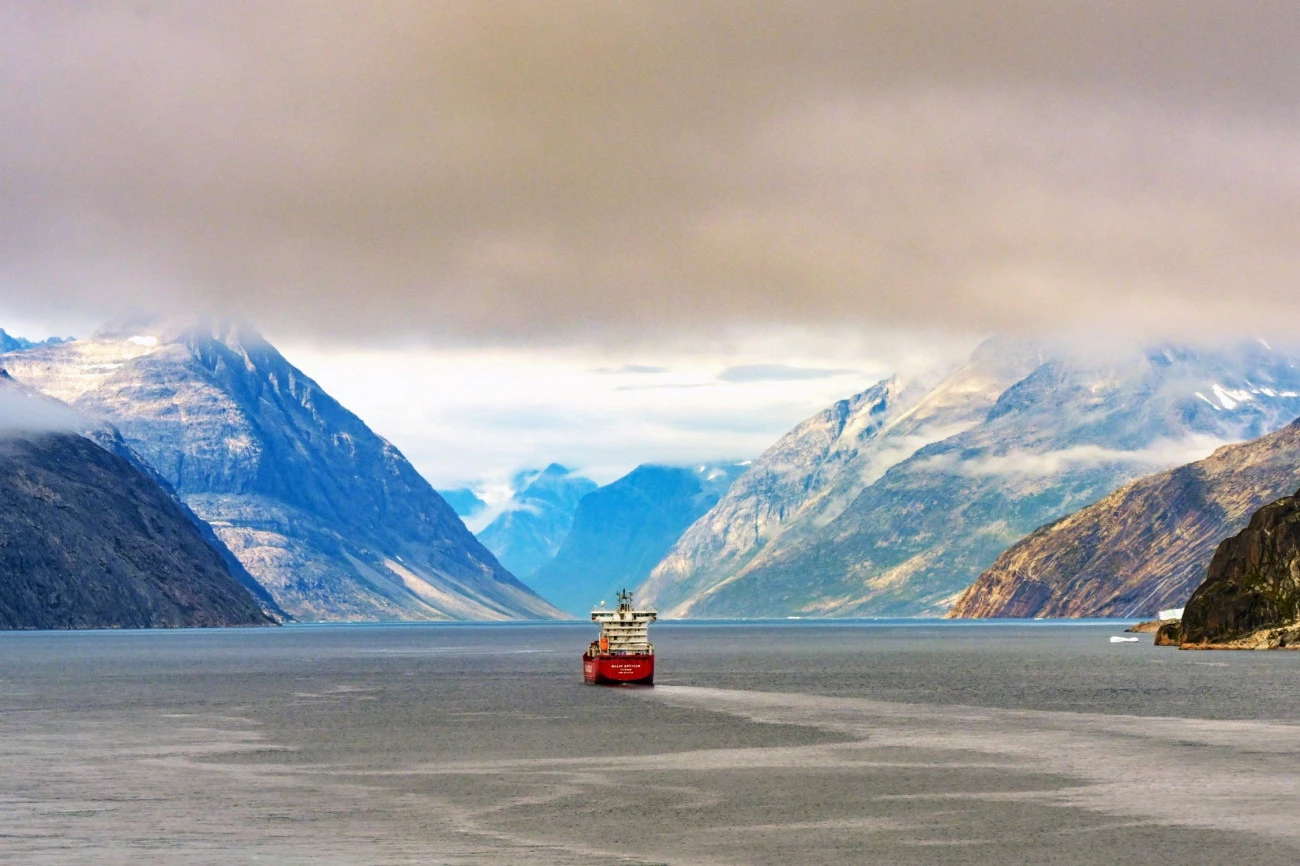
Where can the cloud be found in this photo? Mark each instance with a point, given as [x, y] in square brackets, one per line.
[1158, 455]
[25, 411]
[473, 417]
[672, 386]
[777, 373]
[523, 173]
[631, 370]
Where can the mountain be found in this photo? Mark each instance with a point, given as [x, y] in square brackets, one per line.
[529, 532]
[812, 473]
[328, 516]
[463, 501]
[1075, 428]
[10, 343]
[620, 531]
[1143, 548]
[89, 541]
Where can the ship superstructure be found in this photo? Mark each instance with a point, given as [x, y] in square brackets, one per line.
[623, 652]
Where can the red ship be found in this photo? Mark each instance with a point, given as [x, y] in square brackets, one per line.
[623, 655]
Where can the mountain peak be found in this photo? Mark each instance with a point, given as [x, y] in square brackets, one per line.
[535, 522]
[329, 516]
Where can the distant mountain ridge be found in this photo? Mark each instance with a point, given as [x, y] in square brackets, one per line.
[620, 531]
[1055, 435]
[529, 532]
[328, 516]
[9, 343]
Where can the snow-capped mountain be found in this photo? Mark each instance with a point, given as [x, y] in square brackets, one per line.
[536, 520]
[620, 531]
[1061, 437]
[328, 516]
[812, 473]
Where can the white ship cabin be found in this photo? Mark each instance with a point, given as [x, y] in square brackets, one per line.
[624, 631]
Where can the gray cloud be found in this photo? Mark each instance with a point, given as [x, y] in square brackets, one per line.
[671, 386]
[631, 369]
[776, 373]
[539, 172]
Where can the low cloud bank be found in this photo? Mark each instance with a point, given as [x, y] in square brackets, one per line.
[1160, 454]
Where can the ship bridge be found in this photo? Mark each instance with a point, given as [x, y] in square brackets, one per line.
[624, 630]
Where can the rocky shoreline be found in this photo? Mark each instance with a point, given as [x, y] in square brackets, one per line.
[1285, 638]
[1149, 627]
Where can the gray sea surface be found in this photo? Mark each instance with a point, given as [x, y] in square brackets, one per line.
[766, 743]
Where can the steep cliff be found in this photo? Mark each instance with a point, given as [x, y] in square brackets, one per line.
[328, 516]
[1251, 595]
[1145, 547]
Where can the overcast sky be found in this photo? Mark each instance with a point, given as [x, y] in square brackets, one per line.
[660, 184]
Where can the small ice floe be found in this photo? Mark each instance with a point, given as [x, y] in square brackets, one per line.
[1117, 639]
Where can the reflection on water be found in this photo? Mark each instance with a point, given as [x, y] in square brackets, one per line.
[771, 743]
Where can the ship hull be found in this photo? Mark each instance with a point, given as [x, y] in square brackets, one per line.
[618, 670]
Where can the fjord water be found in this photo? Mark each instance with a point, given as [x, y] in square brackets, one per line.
[807, 742]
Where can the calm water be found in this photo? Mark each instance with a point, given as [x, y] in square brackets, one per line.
[763, 743]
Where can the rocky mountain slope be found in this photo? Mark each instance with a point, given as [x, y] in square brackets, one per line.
[620, 531]
[110, 439]
[1143, 548]
[529, 532]
[1069, 432]
[328, 516]
[89, 541]
[1251, 595]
